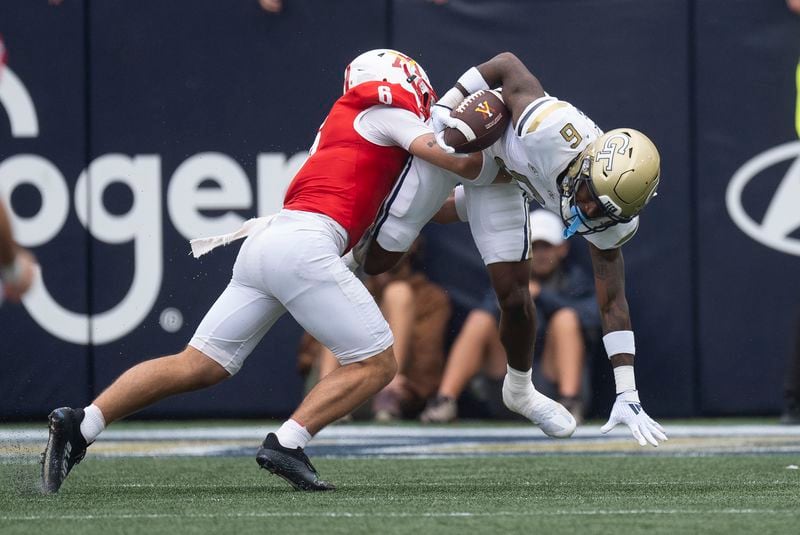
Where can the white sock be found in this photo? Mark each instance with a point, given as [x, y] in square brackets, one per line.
[93, 423]
[518, 381]
[293, 435]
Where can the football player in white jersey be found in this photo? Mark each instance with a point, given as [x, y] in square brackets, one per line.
[553, 154]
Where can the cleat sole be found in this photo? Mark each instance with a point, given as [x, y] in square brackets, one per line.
[272, 468]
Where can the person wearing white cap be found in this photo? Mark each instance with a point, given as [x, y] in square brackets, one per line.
[546, 226]
[565, 308]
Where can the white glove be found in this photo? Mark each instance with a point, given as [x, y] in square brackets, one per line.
[440, 119]
[444, 146]
[628, 410]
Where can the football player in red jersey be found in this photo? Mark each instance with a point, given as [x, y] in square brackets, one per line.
[292, 262]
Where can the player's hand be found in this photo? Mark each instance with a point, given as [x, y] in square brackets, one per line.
[442, 145]
[628, 410]
[440, 118]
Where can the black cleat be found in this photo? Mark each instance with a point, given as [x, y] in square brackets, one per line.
[66, 447]
[291, 465]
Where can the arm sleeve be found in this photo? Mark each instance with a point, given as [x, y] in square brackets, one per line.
[387, 126]
[489, 170]
[461, 203]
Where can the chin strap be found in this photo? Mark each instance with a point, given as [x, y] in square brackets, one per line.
[577, 219]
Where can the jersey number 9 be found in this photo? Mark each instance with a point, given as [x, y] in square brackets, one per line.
[571, 135]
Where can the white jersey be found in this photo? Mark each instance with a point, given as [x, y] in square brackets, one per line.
[548, 136]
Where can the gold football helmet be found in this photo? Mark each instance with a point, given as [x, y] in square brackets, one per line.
[621, 169]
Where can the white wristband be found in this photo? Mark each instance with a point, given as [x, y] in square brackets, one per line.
[461, 204]
[619, 342]
[624, 378]
[473, 81]
[451, 99]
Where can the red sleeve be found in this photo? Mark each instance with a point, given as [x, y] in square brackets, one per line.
[371, 94]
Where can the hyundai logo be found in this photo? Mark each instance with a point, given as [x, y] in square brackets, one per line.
[782, 217]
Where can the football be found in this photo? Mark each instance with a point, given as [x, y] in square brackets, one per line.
[482, 119]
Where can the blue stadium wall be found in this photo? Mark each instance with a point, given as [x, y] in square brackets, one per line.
[130, 127]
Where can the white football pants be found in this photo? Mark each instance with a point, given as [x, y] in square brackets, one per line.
[293, 265]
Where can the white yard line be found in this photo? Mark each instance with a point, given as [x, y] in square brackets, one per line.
[22, 446]
[356, 434]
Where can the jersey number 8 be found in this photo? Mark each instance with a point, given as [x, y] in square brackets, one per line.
[385, 94]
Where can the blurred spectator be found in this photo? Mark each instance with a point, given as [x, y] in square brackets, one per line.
[476, 348]
[272, 6]
[565, 308]
[3, 55]
[276, 6]
[417, 311]
[17, 265]
[791, 412]
[794, 5]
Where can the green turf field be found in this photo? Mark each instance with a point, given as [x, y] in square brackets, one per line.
[572, 494]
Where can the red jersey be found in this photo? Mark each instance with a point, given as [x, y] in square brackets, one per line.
[347, 177]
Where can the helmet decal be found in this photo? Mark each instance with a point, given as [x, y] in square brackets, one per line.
[616, 144]
[394, 67]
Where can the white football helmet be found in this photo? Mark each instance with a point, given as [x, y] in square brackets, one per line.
[391, 66]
